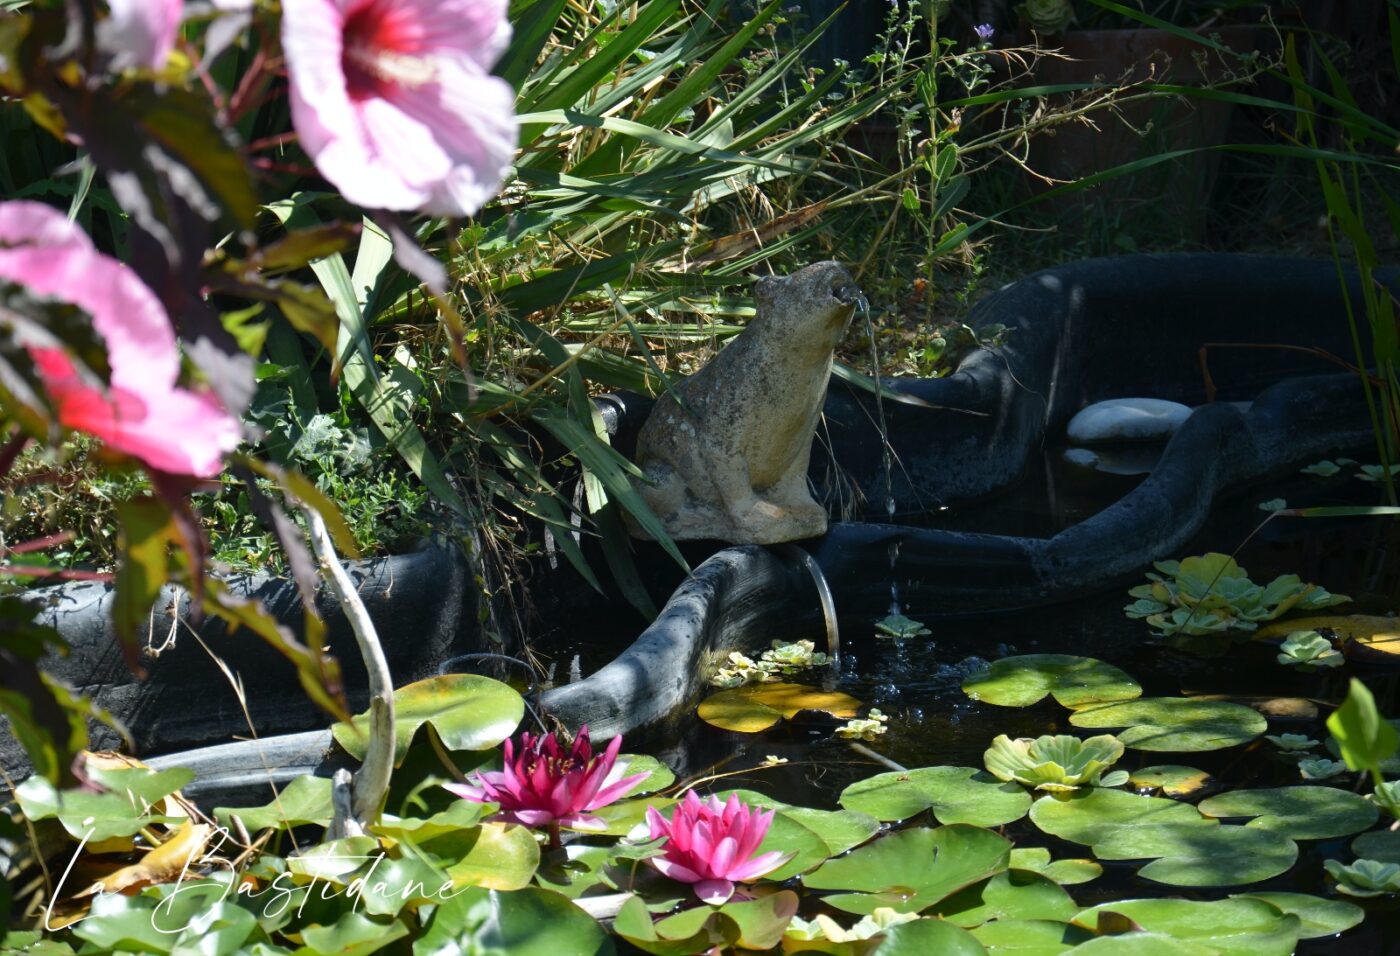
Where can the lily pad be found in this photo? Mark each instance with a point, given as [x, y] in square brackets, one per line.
[1015, 894]
[1319, 917]
[954, 794]
[925, 936]
[1074, 681]
[1142, 944]
[1348, 627]
[1189, 855]
[659, 776]
[1173, 780]
[1097, 815]
[1175, 724]
[468, 711]
[1064, 872]
[755, 707]
[911, 870]
[1380, 845]
[1300, 813]
[493, 856]
[1024, 937]
[133, 797]
[528, 922]
[306, 800]
[1236, 927]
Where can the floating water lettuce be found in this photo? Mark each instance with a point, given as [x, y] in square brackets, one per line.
[1211, 594]
[1377, 473]
[1365, 877]
[1292, 743]
[898, 626]
[781, 659]
[1308, 649]
[1320, 768]
[866, 728]
[1055, 763]
[823, 927]
[1322, 469]
[1273, 504]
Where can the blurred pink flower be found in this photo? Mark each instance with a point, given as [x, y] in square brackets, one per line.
[144, 413]
[394, 101]
[140, 33]
[712, 845]
[541, 785]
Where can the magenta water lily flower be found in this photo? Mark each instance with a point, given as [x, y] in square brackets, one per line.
[541, 785]
[143, 413]
[712, 845]
[395, 103]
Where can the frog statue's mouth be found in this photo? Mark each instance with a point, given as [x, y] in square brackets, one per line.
[846, 291]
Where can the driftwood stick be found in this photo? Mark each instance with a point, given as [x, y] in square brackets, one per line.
[371, 782]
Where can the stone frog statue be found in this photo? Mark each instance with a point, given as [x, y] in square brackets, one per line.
[725, 452]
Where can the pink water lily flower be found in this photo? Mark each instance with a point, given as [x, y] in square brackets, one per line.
[144, 413]
[395, 103]
[540, 785]
[140, 33]
[712, 845]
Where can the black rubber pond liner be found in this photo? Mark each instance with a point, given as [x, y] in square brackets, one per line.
[425, 601]
[728, 600]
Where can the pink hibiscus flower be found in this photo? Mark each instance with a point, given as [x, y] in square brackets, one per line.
[542, 786]
[712, 845]
[144, 413]
[140, 33]
[394, 101]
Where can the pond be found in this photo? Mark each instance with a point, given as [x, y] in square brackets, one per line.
[932, 722]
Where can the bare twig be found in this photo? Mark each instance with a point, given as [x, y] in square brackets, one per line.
[371, 783]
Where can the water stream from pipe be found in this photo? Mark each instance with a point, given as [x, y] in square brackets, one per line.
[886, 454]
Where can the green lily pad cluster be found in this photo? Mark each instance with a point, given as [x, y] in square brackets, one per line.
[781, 659]
[1059, 763]
[1212, 594]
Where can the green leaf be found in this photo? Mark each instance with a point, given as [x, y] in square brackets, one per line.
[1300, 813]
[1015, 894]
[688, 932]
[121, 811]
[352, 935]
[1192, 855]
[1365, 737]
[761, 922]
[1094, 816]
[923, 937]
[468, 712]
[1074, 681]
[1380, 845]
[1236, 927]
[1016, 937]
[1064, 872]
[912, 869]
[1318, 918]
[1176, 724]
[304, 800]
[954, 794]
[494, 856]
[147, 533]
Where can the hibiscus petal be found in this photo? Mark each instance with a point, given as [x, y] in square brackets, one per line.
[140, 33]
